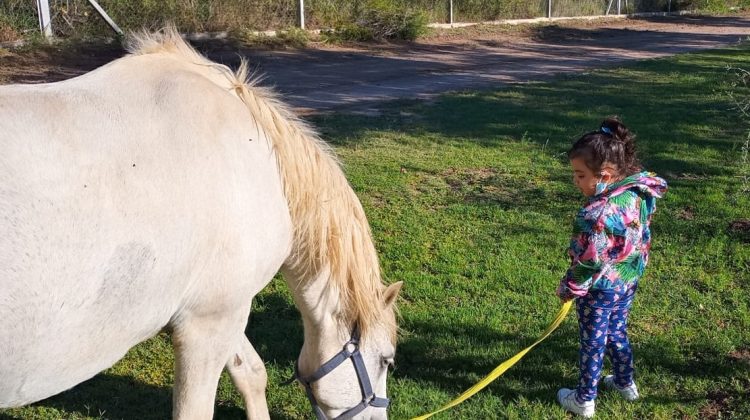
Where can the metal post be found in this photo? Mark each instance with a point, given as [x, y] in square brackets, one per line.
[450, 12]
[45, 23]
[302, 14]
[549, 9]
[106, 17]
[619, 7]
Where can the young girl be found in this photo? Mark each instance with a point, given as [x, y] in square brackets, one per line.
[609, 251]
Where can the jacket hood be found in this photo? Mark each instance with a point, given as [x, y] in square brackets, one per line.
[646, 182]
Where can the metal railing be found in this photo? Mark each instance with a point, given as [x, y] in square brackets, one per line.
[567, 8]
[296, 12]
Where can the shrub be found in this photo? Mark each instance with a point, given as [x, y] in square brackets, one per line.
[293, 37]
[714, 6]
[16, 18]
[348, 32]
[7, 32]
[381, 20]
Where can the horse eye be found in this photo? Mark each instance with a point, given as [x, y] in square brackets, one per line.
[387, 362]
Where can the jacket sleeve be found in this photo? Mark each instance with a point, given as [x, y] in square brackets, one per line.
[588, 253]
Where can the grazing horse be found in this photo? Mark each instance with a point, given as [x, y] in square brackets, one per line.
[163, 190]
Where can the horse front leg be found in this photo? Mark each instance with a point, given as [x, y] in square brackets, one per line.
[202, 347]
[249, 376]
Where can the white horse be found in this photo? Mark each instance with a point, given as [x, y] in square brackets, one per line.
[164, 191]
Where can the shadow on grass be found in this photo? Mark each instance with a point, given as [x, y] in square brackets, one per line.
[119, 397]
[114, 397]
[662, 101]
[508, 192]
[275, 331]
[454, 370]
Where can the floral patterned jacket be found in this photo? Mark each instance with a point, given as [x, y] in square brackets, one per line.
[612, 237]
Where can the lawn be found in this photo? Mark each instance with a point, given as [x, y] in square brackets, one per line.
[470, 200]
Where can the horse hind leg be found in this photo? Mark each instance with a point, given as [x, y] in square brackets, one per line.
[249, 376]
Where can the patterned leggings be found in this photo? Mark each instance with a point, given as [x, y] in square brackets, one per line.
[602, 324]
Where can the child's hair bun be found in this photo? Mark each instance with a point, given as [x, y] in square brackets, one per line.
[619, 132]
[613, 126]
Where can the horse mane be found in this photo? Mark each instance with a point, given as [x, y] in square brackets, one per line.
[330, 226]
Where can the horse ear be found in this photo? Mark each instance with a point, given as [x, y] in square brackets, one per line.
[391, 293]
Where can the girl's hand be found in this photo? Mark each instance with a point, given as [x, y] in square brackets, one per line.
[563, 293]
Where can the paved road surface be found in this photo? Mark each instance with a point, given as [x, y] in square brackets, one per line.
[328, 79]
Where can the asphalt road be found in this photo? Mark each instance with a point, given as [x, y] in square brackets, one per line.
[329, 78]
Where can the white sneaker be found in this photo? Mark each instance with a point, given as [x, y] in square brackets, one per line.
[630, 393]
[567, 399]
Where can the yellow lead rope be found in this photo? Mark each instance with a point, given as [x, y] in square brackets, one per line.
[503, 366]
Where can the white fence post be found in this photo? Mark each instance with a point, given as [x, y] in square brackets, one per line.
[619, 7]
[549, 9]
[45, 23]
[450, 12]
[302, 14]
[106, 17]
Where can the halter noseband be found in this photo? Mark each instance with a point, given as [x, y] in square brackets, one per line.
[350, 350]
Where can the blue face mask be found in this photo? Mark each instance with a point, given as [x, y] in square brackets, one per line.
[600, 187]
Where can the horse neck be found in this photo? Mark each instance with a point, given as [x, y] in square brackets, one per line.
[318, 305]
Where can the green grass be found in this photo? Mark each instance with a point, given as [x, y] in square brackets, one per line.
[470, 201]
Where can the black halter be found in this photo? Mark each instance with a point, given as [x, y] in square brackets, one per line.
[350, 350]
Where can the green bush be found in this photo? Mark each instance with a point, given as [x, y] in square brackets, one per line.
[16, 18]
[390, 22]
[483, 10]
[293, 37]
[381, 20]
[713, 6]
[348, 32]
[7, 31]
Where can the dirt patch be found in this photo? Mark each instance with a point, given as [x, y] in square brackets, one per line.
[50, 64]
[684, 176]
[741, 355]
[461, 179]
[687, 213]
[496, 187]
[482, 185]
[741, 229]
[562, 33]
[718, 406]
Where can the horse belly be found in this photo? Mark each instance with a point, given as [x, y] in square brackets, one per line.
[79, 286]
[73, 302]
